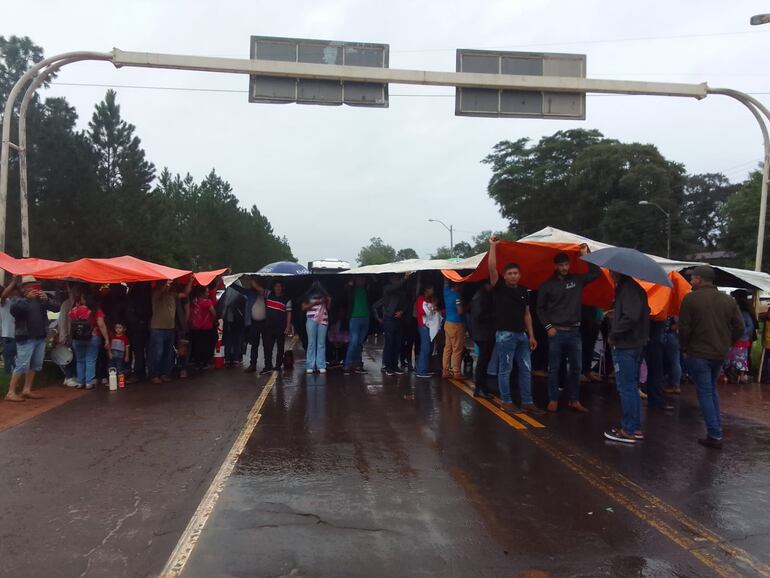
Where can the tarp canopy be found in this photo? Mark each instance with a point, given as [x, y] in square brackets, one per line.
[665, 301]
[535, 261]
[29, 266]
[206, 277]
[742, 277]
[554, 235]
[124, 269]
[409, 265]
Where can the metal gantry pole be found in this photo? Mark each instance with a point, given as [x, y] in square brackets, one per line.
[755, 107]
[5, 139]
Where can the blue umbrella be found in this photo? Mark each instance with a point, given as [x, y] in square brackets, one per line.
[283, 268]
[629, 262]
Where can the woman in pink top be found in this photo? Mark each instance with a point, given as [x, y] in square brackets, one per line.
[202, 333]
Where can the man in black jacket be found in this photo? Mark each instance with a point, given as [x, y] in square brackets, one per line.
[389, 310]
[559, 305]
[628, 335]
[30, 312]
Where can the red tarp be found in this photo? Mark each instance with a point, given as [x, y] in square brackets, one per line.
[536, 262]
[206, 277]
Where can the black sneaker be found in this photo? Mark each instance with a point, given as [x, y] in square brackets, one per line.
[710, 442]
[423, 375]
[618, 435]
[390, 372]
[361, 371]
[347, 370]
[398, 371]
[266, 371]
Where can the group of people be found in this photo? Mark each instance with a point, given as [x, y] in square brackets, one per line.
[138, 331]
[158, 330]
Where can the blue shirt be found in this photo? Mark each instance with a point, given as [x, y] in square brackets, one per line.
[450, 302]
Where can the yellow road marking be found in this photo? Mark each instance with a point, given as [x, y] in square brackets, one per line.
[192, 533]
[490, 406]
[692, 536]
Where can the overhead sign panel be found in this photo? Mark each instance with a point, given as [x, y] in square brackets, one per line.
[520, 103]
[276, 89]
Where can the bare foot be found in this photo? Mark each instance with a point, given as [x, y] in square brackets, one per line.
[10, 397]
[30, 395]
[553, 406]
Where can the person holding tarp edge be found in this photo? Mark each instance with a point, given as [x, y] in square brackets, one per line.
[514, 337]
[559, 305]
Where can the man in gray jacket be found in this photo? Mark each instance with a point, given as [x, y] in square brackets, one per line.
[628, 335]
[709, 324]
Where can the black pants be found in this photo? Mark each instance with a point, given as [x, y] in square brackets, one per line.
[274, 334]
[203, 342]
[138, 335]
[485, 355]
[411, 342]
[256, 333]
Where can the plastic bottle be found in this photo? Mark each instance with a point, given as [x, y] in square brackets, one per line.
[113, 379]
[121, 380]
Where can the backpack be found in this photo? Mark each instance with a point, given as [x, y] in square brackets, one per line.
[81, 329]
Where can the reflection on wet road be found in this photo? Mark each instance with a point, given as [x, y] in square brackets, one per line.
[392, 476]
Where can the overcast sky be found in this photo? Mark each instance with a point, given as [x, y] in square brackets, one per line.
[329, 178]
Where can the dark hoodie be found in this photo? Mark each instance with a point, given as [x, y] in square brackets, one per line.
[560, 299]
[631, 316]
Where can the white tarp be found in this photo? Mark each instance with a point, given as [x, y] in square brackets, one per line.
[756, 279]
[409, 265]
[554, 235]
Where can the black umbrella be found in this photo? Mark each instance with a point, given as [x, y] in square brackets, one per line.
[629, 262]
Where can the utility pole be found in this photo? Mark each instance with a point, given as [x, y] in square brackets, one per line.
[668, 225]
[449, 228]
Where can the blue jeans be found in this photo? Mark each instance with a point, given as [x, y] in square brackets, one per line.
[627, 363]
[359, 330]
[569, 344]
[316, 345]
[86, 352]
[9, 354]
[705, 373]
[393, 329]
[423, 360]
[513, 347]
[29, 355]
[161, 350]
[673, 358]
[116, 361]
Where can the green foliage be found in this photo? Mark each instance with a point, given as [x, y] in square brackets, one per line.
[376, 253]
[94, 193]
[705, 197]
[407, 253]
[741, 220]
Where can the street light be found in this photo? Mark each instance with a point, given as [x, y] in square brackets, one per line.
[760, 19]
[668, 225]
[449, 228]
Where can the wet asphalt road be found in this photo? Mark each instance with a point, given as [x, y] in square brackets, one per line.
[380, 476]
[349, 476]
[104, 485]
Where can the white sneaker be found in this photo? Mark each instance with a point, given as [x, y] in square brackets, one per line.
[321, 371]
[71, 382]
[309, 371]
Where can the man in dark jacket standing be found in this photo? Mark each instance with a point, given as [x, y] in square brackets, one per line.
[559, 305]
[709, 324]
[628, 335]
[389, 310]
[30, 312]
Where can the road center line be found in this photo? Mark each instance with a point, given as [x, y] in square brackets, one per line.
[192, 533]
[644, 505]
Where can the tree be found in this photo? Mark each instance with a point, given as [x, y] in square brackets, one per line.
[579, 181]
[376, 253]
[442, 252]
[703, 210]
[741, 220]
[17, 55]
[408, 253]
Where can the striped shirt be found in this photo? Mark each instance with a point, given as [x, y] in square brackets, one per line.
[319, 314]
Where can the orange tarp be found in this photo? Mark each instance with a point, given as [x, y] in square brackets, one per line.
[206, 277]
[535, 260]
[29, 266]
[124, 269]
